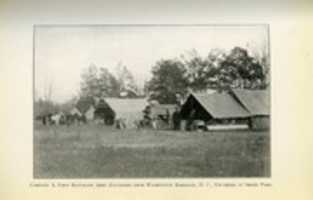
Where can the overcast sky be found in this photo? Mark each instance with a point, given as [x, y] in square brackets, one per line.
[62, 52]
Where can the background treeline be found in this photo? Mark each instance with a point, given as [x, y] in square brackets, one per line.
[173, 78]
[219, 70]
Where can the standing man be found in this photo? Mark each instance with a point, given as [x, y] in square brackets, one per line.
[176, 118]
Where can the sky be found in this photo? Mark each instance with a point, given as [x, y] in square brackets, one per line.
[61, 53]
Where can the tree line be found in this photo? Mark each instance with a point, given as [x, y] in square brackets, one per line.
[173, 78]
[219, 71]
[100, 82]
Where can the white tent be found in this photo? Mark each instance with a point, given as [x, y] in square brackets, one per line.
[90, 113]
[130, 110]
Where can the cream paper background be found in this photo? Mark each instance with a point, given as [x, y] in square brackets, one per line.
[291, 37]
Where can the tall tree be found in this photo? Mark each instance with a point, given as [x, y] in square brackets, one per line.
[109, 86]
[201, 71]
[168, 79]
[89, 82]
[98, 82]
[239, 69]
[126, 80]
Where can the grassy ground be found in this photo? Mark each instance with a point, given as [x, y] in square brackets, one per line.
[97, 151]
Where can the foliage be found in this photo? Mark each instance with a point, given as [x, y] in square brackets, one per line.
[89, 83]
[168, 79]
[43, 107]
[108, 83]
[201, 71]
[99, 82]
[219, 70]
[126, 80]
[241, 70]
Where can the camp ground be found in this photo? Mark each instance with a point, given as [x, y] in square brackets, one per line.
[152, 102]
[235, 109]
[211, 134]
[220, 134]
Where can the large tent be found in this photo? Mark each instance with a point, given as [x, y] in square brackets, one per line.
[238, 105]
[257, 103]
[204, 106]
[130, 110]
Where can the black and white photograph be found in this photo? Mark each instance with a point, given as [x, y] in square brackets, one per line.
[151, 101]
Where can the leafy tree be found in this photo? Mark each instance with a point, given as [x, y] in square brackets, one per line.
[239, 69]
[98, 83]
[90, 83]
[109, 85]
[168, 79]
[126, 80]
[201, 71]
[222, 71]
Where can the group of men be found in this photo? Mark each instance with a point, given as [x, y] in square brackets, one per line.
[58, 118]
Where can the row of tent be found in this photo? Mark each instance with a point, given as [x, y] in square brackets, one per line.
[235, 106]
[110, 109]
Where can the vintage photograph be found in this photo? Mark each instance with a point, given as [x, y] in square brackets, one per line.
[151, 101]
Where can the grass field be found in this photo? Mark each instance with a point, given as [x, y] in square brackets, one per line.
[97, 151]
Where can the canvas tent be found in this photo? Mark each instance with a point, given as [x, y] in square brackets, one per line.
[89, 114]
[130, 110]
[212, 106]
[238, 105]
[162, 109]
[86, 108]
[104, 112]
[84, 103]
[257, 103]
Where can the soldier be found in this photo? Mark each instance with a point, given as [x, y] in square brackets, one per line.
[176, 119]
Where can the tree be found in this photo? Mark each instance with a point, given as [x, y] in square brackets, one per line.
[168, 79]
[90, 82]
[223, 71]
[126, 80]
[201, 71]
[109, 86]
[239, 69]
[98, 82]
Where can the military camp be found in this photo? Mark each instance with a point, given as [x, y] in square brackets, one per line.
[131, 107]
